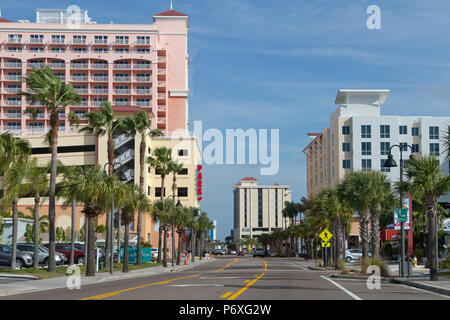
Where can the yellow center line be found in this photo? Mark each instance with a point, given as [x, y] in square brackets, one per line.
[238, 293]
[110, 294]
[228, 265]
[226, 295]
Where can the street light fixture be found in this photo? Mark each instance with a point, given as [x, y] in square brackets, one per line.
[390, 163]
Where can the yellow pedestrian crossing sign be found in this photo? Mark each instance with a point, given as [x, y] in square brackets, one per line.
[325, 235]
[326, 244]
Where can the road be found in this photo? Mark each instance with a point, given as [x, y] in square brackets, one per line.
[230, 278]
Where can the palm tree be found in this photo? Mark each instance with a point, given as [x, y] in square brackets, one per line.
[161, 161]
[140, 124]
[90, 189]
[49, 90]
[103, 123]
[182, 219]
[37, 185]
[162, 212]
[193, 226]
[156, 133]
[357, 190]
[66, 190]
[290, 211]
[136, 200]
[426, 177]
[15, 189]
[204, 224]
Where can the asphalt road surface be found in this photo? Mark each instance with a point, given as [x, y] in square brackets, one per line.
[236, 278]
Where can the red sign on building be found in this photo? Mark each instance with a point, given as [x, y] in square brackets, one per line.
[199, 183]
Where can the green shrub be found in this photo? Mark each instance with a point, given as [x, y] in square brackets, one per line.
[100, 229]
[342, 266]
[445, 264]
[382, 265]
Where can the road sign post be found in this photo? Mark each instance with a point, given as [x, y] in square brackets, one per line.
[325, 235]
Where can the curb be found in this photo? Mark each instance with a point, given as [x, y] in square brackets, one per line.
[342, 276]
[427, 287]
[17, 276]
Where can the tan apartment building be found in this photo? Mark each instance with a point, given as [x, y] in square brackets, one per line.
[258, 208]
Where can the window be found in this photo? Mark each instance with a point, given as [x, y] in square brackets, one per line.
[415, 148]
[403, 146]
[366, 164]
[122, 39]
[141, 50]
[58, 39]
[158, 192]
[403, 129]
[79, 39]
[434, 149]
[383, 168]
[365, 131]
[142, 40]
[182, 192]
[346, 130]
[100, 39]
[434, 132]
[346, 164]
[260, 209]
[346, 147]
[182, 152]
[385, 131]
[36, 49]
[184, 172]
[79, 50]
[385, 148]
[366, 148]
[15, 38]
[415, 131]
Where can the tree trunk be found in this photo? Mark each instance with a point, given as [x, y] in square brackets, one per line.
[179, 248]
[160, 242]
[375, 233]
[109, 226]
[200, 246]
[90, 268]
[52, 191]
[119, 211]
[139, 244]
[36, 232]
[14, 233]
[165, 248]
[432, 237]
[125, 248]
[86, 240]
[141, 184]
[72, 236]
[193, 245]
[364, 232]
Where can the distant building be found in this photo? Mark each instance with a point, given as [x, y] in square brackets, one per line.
[258, 209]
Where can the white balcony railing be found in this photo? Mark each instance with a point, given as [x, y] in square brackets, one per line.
[99, 66]
[125, 157]
[142, 66]
[121, 140]
[13, 65]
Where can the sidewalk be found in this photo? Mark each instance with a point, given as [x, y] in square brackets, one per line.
[420, 278]
[25, 286]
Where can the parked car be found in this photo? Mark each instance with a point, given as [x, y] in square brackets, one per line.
[241, 253]
[353, 255]
[259, 252]
[43, 254]
[22, 259]
[218, 251]
[233, 252]
[65, 250]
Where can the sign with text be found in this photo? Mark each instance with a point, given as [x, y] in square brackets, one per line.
[199, 183]
[407, 223]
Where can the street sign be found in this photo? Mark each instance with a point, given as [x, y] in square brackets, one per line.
[402, 214]
[326, 244]
[325, 235]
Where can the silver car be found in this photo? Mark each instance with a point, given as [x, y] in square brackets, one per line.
[353, 255]
[43, 253]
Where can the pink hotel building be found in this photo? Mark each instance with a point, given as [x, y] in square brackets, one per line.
[135, 67]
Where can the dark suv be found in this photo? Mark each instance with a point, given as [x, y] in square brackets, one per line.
[22, 259]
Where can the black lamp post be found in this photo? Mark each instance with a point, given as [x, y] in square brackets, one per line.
[390, 163]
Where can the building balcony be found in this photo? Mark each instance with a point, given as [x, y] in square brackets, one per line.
[13, 65]
[143, 79]
[12, 115]
[122, 79]
[144, 104]
[13, 90]
[142, 91]
[82, 91]
[14, 40]
[80, 78]
[121, 140]
[102, 66]
[79, 66]
[122, 103]
[142, 66]
[101, 79]
[16, 103]
[14, 78]
[58, 65]
[122, 66]
[100, 91]
[36, 65]
[122, 91]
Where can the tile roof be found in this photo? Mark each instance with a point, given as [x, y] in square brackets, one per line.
[4, 20]
[170, 13]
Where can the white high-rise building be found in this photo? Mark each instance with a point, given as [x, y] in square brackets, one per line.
[258, 209]
[360, 138]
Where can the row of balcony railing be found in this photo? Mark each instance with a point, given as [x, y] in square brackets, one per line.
[37, 130]
[17, 40]
[86, 79]
[124, 66]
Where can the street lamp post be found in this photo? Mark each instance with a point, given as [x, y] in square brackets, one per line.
[390, 163]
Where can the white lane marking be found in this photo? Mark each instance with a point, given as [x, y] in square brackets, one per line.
[354, 296]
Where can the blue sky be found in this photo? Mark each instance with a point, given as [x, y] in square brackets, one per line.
[279, 64]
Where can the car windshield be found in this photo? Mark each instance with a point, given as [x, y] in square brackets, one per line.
[43, 249]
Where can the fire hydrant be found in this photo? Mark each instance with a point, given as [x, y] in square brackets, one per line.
[415, 262]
